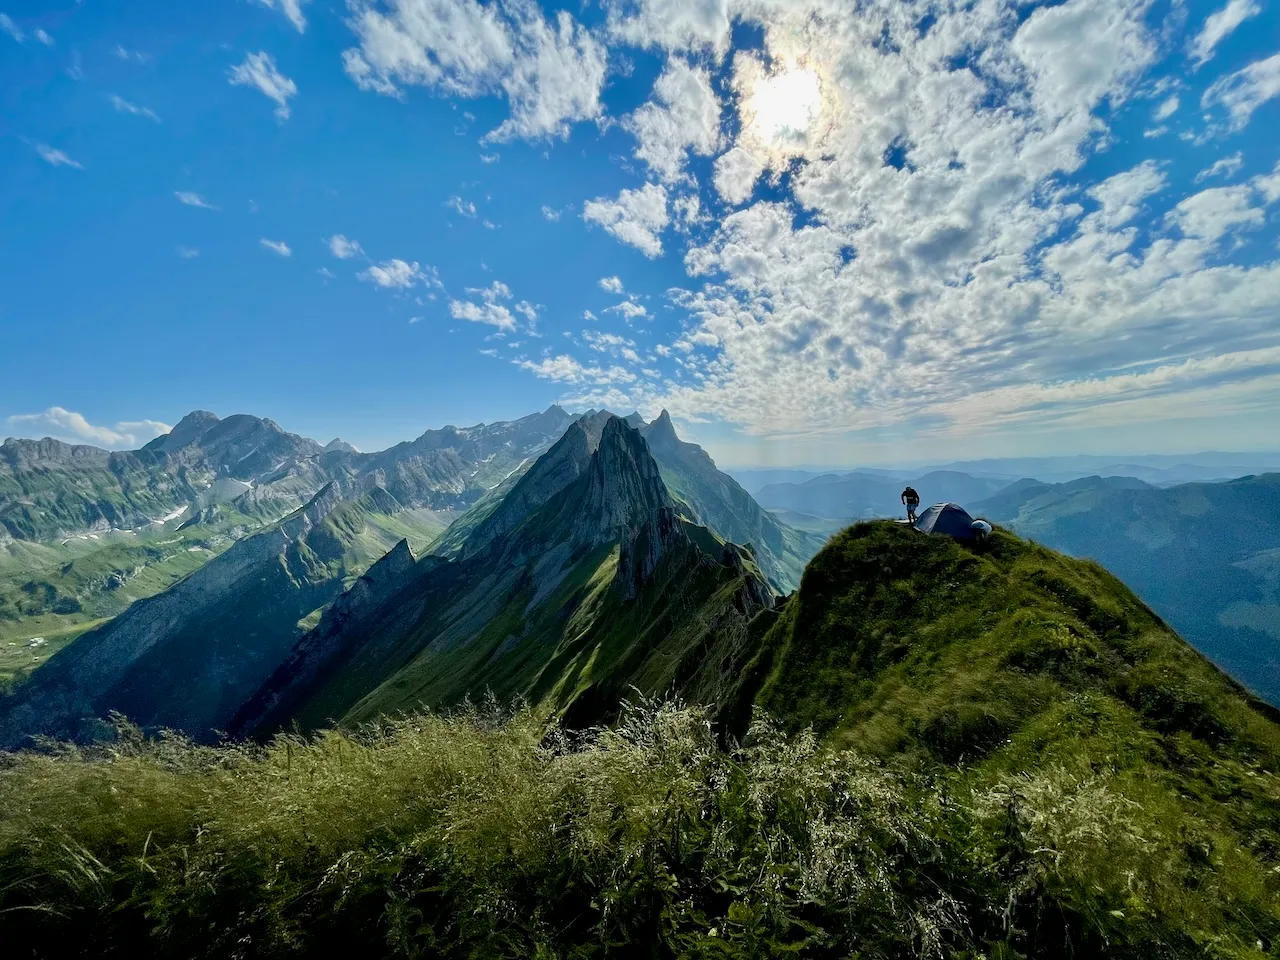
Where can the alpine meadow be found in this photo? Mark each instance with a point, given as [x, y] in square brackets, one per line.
[689, 479]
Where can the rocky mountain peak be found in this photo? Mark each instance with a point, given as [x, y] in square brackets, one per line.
[623, 487]
[662, 430]
[187, 431]
[338, 445]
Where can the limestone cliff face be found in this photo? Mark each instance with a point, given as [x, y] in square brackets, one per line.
[348, 618]
[78, 685]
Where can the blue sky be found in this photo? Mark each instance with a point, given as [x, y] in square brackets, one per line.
[817, 231]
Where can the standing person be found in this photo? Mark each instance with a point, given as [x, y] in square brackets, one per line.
[912, 500]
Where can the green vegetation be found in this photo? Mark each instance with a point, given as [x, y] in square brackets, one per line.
[57, 591]
[1204, 555]
[480, 835]
[989, 751]
[60, 589]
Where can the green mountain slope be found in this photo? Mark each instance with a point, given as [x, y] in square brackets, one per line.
[1205, 556]
[993, 752]
[188, 657]
[581, 583]
[719, 502]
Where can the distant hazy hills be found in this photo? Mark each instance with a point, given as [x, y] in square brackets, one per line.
[1205, 556]
[860, 496]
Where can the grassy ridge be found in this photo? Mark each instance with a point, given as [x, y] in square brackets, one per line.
[993, 752]
[479, 835]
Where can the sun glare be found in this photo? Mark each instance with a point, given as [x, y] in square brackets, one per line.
[783, 106]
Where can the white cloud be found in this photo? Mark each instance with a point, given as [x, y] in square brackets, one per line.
[736, 173]
[683, 115]
[291, 9]
[1218, 26]
[1212, 213]
[11, 28]
[1122, 195]
[188, 253]
[1226, 167]
[1244, 91]
[68, 425]
[1268, 184]
[551, 71]
[133, 56]
[674, 25]
[259, 71]
[565, 369]
[464, 207]
[1166, 109]
[628, 309]
[124, 106]
[191, 199]
[276, 246]
[399, 275]
[491, 310]
[43, 37]
[933, 231]
[637, 217]
[611, 284]
[549, 213]
[343, 248]
[55, 157]
[487, 158]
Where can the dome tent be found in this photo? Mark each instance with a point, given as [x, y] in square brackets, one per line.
[949, 519]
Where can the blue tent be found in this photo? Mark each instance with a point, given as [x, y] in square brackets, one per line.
[949, 519]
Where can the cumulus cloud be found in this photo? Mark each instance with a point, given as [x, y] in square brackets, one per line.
[63, 424]
[55, 157]
[291, 9]
[1166, 110]
[399, 275]
[679, 26]
[549, 213]
[1212, 213]
[1244, 91]
[344, 248]
[636, 217]
[932, 246]
[1121, 196]
[628, 309]
[124, 106]
[565, 369]
[683, 115]
[1218, 26]
[550, 71]
[277, 247]
[259, 71]
[491, 309]
[611, 284]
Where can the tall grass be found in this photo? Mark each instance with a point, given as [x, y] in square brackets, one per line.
[487, 834]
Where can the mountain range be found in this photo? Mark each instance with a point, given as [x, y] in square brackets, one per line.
[995, 744]
[593, 510]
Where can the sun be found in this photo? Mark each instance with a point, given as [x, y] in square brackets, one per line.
[782, 107]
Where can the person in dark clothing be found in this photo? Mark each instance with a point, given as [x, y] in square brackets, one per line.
[912, 500]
